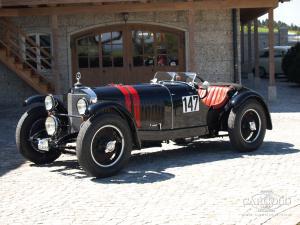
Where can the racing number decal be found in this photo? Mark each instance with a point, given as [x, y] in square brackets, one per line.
[190, 103]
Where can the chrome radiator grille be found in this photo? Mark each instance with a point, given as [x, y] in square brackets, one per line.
[72, 110]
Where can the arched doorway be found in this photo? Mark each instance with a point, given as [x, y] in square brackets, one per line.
[127, 53]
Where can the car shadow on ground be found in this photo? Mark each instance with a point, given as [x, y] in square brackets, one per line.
[150, 167]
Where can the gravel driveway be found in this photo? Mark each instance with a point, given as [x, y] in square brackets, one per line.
[205, 183]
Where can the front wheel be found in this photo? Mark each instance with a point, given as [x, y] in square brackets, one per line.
[247, 126]
[104, 145]
[30, 129]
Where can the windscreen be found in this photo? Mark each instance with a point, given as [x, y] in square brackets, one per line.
[187, 77]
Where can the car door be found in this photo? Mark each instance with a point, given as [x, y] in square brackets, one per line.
[188, 109]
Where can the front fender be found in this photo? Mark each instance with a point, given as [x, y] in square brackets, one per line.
[245, 95]
[40, 99]
[98, 108]
[34, 99]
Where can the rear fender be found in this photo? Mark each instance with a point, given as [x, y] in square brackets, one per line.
[100, 109]
[244, 95]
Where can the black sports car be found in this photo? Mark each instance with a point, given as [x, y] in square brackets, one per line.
[107, 123]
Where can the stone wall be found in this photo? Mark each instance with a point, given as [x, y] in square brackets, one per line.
[213, 37]
[13, 90]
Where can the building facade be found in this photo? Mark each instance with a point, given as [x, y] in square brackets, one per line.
[121, 45]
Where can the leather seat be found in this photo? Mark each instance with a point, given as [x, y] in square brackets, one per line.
[216, 97]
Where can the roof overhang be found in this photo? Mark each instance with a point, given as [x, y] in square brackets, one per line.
[10, 8]
[248, 14]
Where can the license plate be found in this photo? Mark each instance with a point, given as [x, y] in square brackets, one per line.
[43, 145]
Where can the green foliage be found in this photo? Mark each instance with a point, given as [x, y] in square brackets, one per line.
[263, 24]
[291, 64]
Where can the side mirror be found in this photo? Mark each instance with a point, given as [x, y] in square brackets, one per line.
[205, 85]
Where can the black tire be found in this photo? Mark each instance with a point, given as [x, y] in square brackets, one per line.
[243, 136]
[33, 120]
[92, 145]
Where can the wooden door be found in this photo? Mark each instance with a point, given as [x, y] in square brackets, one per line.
[154, 49]
[128, 53]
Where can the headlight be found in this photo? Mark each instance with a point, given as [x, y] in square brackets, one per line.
[49, 103]
[51, 125]
[82, 105]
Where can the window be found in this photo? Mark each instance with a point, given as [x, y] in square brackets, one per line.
[160, 49]
[105, 48]
[167, 49]
[264, 54]
[143, 48]
[39, 58]
[278, 53]
[88, 52]
[112, 49]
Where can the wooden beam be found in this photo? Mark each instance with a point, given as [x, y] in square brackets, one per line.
[256, 48]
[12, 3]
[271, 48]
[212, 3]
[243, 43]
[137, 7]
[272, 90]
[249, 47]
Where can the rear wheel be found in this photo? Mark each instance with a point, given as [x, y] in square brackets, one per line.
[30, 129]
[247, 126]
[104, 145]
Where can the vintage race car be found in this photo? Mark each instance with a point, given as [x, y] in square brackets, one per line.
[107, 123]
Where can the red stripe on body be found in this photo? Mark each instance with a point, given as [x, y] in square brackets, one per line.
[126, 96]
[136, 104]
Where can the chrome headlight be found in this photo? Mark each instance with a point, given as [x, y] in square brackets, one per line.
[51, 125]
[82, 105]
[49, 103]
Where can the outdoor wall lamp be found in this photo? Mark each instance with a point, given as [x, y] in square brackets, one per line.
[125, 17]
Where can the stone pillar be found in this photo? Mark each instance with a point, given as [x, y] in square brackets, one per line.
[283, 35]
[272, 91]
[55, 45]
[191, 23]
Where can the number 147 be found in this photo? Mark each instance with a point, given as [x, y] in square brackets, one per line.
[190, 103]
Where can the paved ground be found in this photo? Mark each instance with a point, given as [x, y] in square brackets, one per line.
[206, 183]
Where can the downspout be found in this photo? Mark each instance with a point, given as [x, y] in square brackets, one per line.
[235, 47]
